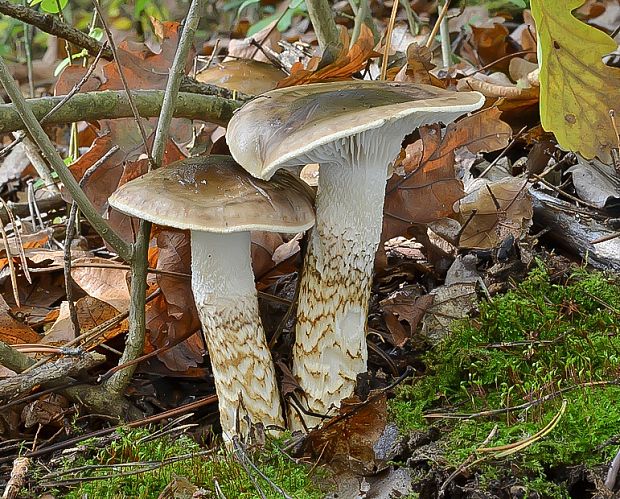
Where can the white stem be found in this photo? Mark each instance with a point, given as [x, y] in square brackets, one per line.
[225, 294]
[330, 347]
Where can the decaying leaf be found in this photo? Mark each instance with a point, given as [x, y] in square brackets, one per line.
[346, 64]
[13, 331]
[105, 284]
[347, 441]
[450, 303]
[91, 312]
[428, 187]
[418, 67]
[495, 211]
[596, 183]
[173, 315]
[249, 48]
[402, 307]
[578, 90]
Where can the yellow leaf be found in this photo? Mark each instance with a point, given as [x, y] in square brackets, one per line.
[577, 91]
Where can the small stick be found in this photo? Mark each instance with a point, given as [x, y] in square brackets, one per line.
[388, 41]
[433, 33]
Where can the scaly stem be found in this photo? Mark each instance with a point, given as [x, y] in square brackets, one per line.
[225, 294]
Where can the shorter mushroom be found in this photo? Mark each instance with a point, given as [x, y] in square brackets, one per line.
[220, 204]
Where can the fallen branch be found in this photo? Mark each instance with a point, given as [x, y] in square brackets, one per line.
[112, 104]
[53, 26]
[96, 399]
[48, 373]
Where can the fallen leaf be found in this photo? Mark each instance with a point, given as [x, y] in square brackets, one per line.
[105, 284]
[404, 307]
[595, 182]
[577, 90]
[494, 211]
[347, 441]
[346, 64]
[418, 67]
[173, 314]
[492, 45]
[428, 187]
[13, 331]
[248, 48]
[91, 312]
[450, 303]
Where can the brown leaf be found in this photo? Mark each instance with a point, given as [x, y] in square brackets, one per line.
[418, 67]
[491, 44]
[402, 307]
[173, 314]
[13, 331]
[429, 188]
[347, 441]
[346, 64]
[91, 312]
[495, 211]
[105, 284]
[268, 37]
[450, 303]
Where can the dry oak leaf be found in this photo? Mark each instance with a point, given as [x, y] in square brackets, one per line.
[495, 211]
[401, 307]
[105, 284]
[428, 188]
[13, 331]
[418, 67]
[348, 62]
[346, 442]
[577, 90]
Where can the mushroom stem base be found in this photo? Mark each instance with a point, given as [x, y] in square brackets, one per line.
[243, 370]
[330, 347]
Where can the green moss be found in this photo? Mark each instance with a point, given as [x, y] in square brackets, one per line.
[138, 445]
[529, 344]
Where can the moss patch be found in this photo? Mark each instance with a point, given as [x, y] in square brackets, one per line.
[141, 447]
[538, 344]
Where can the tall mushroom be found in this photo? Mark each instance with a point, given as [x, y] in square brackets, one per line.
[220, 204]
[354, 130]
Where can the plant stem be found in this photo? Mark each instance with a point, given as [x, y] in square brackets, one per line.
[49, 152]
[322, 18]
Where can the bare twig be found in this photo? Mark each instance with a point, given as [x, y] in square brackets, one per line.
[38, 134]
[612, 473]
[139, 265]
[69, 234]
[18, 478]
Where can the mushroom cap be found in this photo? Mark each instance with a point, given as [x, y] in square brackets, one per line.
[243, 75]
[282, 127]
[215, 194]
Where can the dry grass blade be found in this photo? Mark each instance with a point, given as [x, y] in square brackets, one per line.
[435, 29]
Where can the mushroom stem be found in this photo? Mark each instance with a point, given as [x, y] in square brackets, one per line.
[225, 294]
[330, 347]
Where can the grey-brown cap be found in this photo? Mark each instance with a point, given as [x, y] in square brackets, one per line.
[243, 75]
[215, 194]
[284, 127]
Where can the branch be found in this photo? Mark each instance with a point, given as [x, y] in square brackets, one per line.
[111, 104]
[134, 344]
[49, 373]
[94, 398]
[49, 151]
[53, 26]
[322, 18]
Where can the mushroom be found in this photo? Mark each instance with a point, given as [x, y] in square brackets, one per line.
[243, 75]
[354, 130]
[220, 204]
